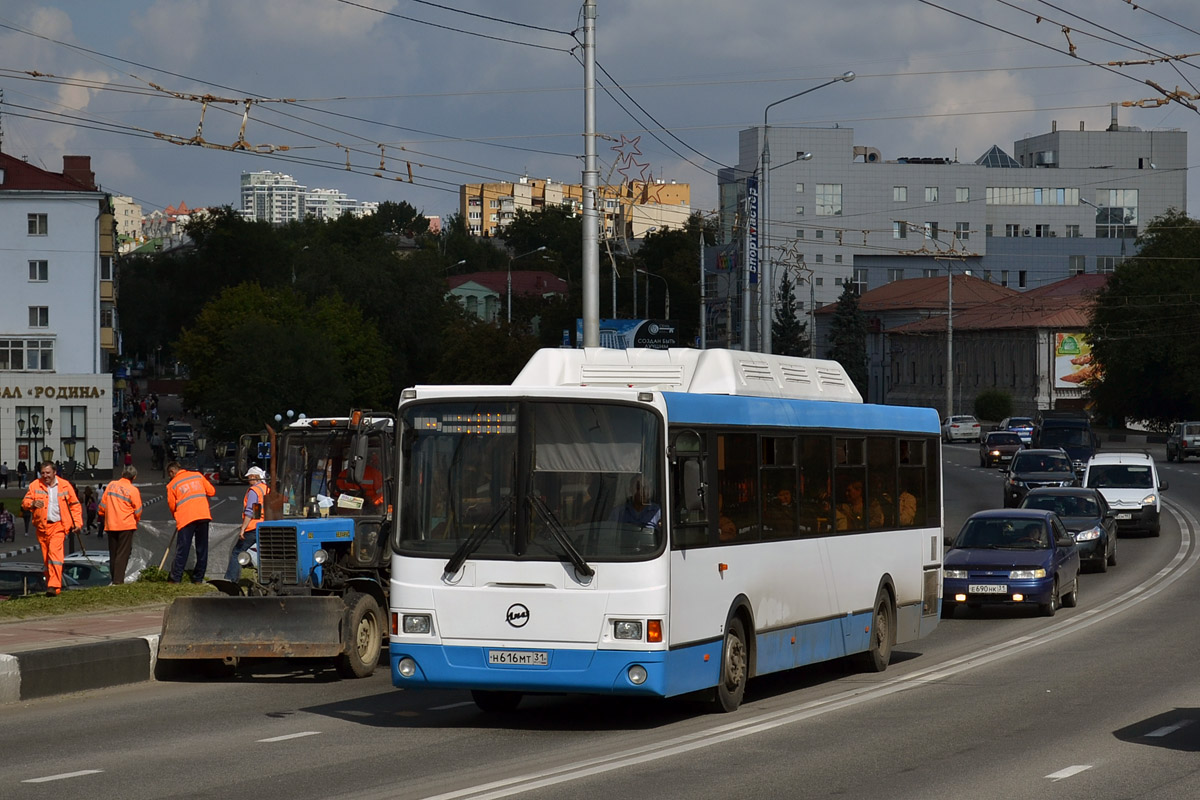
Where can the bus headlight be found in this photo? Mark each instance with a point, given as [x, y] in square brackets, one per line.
[320, 557]
[627, 629]
[417, 623]
[406, 667]
[637, 675]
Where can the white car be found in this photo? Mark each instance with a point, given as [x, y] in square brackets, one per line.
[960, 428]
[1131, 486]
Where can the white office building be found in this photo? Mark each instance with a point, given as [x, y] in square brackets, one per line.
[277, 198]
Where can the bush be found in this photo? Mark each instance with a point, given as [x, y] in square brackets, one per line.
[993, 405]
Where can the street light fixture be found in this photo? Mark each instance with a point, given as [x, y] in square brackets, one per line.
[510, 263]
[767, 277]
[93, 456]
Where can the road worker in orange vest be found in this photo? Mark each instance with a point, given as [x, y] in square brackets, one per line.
[56, 513]
[371, 488]
[120, 511]
[252, 511]
[187, 497]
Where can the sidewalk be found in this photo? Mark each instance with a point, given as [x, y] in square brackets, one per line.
[71, 653]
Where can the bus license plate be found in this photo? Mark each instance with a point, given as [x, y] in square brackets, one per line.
[987, 588]
[531, 658]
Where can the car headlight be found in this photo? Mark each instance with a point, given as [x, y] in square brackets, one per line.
[1089, 535]
[1027, 574]
[1149, 499]
[994, 453]
[627, 629]
[960, 574]
[1014, 483]
[417, 623]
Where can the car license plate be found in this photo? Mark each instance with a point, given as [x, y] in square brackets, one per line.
[530, 658]
[1124, 516]
[987, 588]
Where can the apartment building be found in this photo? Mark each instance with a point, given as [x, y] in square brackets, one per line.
[278, 198]
[629, 210]
[58, 325]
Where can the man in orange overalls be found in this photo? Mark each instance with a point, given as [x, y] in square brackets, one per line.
[187, 497]
[120, 512]
[56, 513]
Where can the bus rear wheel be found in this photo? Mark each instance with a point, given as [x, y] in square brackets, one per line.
[735, 668]
[883, 635]
[491, 702]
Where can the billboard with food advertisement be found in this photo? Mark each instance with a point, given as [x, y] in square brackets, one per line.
[1073, 366]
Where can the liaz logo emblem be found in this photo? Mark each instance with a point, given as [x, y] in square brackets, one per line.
[517, 615]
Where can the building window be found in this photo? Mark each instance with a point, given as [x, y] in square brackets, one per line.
[820, 258]
[818, 281]
[39, 225]
[799, 233]
[860, 280]
[799, 188]
[820, 234]
[899, 230]
[1076, 265]
[107, 317]
[39, 271]
[931, 230]
[829, 199]
[1117, 216]
[1073, 232]
[894, 275]
[799, 211]
[474, 215]
[987, 230]
[26, 355]
[493, 204]
[39, 316]
[1021, 279]
[962, 194]
[929, 273]
[1004, 277]
[962, 231]
[900, 194]
[106, 272]
[987, 275]
[931, 194]
[1012, 230]
[1042, 231]
[837, 259]
[1106, 264]
[837, 281]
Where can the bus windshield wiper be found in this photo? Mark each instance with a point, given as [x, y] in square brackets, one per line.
[560, 535]
[474, 540]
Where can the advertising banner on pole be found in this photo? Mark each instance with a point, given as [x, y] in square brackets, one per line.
[622, 334]
[752, 228]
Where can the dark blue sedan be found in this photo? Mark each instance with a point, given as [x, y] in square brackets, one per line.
[1012, 556]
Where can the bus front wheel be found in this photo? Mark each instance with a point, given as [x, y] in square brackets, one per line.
[735, 668]
[883, 635]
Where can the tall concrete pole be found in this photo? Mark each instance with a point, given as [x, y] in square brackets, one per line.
[591, 221]
[703, 309]
[949, 341]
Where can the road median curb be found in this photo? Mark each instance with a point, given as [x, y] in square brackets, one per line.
[75, 668]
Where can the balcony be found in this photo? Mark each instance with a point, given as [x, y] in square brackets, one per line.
[107, 293]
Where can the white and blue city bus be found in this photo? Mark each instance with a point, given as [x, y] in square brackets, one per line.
[658, 522]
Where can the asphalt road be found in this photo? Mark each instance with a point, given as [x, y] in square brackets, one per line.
[1098, 702]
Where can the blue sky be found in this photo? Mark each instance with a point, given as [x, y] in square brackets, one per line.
[468, 97]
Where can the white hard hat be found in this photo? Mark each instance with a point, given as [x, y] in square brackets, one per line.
[256, 472]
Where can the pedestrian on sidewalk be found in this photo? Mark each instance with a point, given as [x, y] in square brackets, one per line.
[22, 471]
[4, 475]
[252, 508]
[8, 526]
[56, 513]
[187, 497]
[91, 506]
[120, 512]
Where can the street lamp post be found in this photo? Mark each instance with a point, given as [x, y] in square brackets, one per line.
[93, 457]
[666, 290]
[767, 275]
[69, 452]
[510, 263]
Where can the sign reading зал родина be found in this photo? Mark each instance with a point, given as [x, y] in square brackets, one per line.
[50, 392]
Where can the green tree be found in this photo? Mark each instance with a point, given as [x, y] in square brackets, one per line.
[789, 336]
[848, 337]
[1144, 327]
[253, 351]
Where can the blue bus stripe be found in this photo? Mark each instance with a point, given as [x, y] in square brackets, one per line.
[699, 409]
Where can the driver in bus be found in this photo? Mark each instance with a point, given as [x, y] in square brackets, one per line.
[637, 510]
[371, 488]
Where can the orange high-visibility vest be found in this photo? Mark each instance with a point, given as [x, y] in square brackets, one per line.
[255, 494]
[69, 510]
[187, 497]
[121, 506]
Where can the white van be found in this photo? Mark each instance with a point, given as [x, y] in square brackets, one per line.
[1130, 484]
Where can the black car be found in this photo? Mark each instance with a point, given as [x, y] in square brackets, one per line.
[1086, 514]
[1034, 469]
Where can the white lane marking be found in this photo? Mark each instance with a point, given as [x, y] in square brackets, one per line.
[1068, 772]
[62, 776]
[291, 736]
[1168, 730]
[452, 705]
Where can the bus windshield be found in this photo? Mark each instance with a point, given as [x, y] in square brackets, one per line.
[531, 479]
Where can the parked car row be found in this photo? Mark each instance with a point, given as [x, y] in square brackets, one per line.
[1033, 553]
